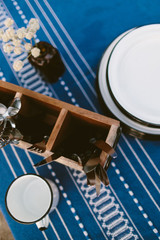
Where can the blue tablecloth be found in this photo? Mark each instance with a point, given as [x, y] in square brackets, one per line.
[81, 30]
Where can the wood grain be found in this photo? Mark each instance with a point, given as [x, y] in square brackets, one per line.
[61, 116]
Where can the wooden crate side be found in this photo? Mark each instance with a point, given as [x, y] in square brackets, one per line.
[52, 102]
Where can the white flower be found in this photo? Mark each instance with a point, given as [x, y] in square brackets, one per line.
[16, 42]
[29, 35]
[10, 33]
[7, 48]
[17, 65]
[35, 52]
[32, 30]
[21, 32]
[8, 22]
[17, 50]
[5, 37]
[33, 26]
[34, 23]
[28, 46]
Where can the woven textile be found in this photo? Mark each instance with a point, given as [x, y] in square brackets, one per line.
[81, 30]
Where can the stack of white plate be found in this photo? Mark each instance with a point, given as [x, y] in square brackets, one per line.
[129, 79]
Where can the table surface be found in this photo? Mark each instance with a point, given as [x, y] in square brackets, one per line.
[81, 30]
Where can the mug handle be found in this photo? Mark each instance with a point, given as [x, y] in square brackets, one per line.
[43, 224]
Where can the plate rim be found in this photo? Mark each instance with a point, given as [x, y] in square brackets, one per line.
[126, 111]
[103, 84]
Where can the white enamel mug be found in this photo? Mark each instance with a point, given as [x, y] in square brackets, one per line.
[30, 198]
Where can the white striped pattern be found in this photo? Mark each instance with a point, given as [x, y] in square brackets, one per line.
[106, 208]
[132, 169]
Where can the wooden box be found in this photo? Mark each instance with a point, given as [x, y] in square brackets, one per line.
[58, 119]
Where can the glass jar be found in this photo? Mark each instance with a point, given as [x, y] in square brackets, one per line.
[49, 63]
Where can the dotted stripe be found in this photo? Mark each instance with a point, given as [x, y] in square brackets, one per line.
[20, 11]
[72, 209]
[135, 200]
[66, 88]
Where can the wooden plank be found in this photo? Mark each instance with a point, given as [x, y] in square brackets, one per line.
[25, 145]
[110, 140]
[69, 163]
[54, 103]
[58, 127]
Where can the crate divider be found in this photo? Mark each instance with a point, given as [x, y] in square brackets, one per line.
[59, 118]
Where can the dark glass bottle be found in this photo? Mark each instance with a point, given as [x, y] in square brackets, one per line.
[49, 63]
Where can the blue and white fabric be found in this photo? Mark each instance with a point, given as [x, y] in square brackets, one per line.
[81, 30]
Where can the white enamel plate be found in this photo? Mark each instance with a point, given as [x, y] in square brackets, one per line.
[134, 73]
[107, 98]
